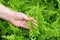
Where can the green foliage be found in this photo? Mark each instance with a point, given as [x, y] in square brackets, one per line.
[47, 14]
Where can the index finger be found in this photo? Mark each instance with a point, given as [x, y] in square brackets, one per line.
[32, 19]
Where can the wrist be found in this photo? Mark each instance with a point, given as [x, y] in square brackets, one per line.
[10, 13]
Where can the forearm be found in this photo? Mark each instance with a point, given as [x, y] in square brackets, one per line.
[5, 11]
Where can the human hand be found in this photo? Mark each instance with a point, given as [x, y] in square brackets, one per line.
[16, 18]
[20, 20]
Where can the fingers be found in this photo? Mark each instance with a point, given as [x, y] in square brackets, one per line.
[24, 25]
[30, 19]
[33, 20]
[35, 24]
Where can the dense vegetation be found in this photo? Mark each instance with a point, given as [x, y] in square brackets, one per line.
[47, 14]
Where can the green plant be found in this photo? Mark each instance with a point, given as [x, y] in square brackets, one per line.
[47, 14]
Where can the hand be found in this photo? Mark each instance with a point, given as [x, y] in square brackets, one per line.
[20, 20]
[16, 18]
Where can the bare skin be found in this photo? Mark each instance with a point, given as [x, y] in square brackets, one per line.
[16, 18]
